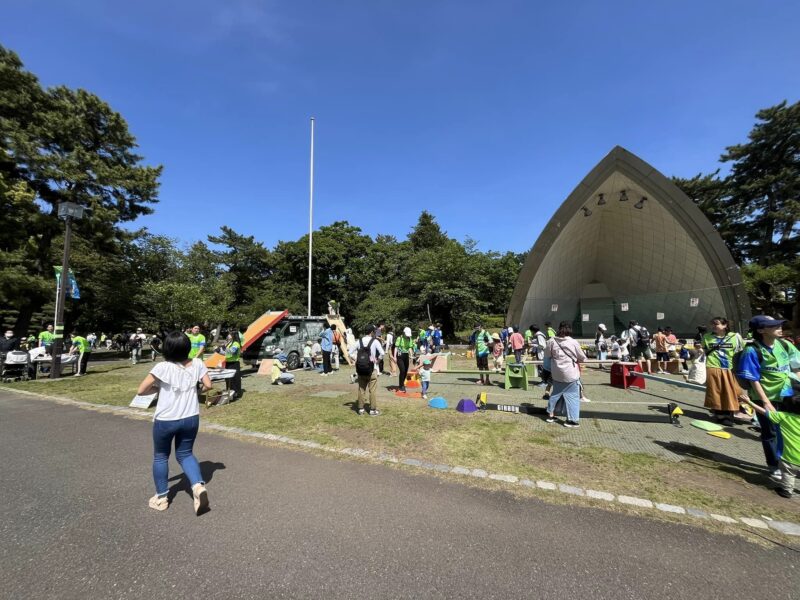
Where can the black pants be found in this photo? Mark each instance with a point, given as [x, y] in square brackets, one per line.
[326, 362]
[402, 365]
[236, 380]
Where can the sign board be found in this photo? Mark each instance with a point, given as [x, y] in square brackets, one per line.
[144, 401]
[624, 307]
[292, 328]
[554, 308]
[585, 317]
[659, 316]
[693, 302]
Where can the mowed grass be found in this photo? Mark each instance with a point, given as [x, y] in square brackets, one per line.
[493, 442]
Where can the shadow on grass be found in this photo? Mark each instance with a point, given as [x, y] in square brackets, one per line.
[749, 472]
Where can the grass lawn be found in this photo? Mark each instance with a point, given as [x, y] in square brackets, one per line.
[496, 442]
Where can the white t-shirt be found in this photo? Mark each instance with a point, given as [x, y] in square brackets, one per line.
[389, 342]
[177, 395]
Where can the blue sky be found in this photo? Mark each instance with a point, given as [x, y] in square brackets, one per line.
[485, 114]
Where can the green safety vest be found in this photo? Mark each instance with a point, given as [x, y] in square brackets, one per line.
[551, 333]
[404, 344]
[47, 338]
[233, 352]
[776, 370]
[81, 343]
[198, 341]
[720, 351]
[481, 345]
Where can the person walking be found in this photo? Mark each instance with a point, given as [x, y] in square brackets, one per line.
[601, 345]
[233, 356]
[722, 389]
[403, 352]
[198, 341]
[80, 345]
[326, 344]
[770, 366]
[366, 356]
[177, 417]
[389, 343]
[565, 354]
[136, 343]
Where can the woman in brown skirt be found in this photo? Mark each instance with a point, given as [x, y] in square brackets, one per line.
[722, 389]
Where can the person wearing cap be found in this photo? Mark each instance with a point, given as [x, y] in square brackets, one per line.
[722, 389]
[137, 340]
[280, 374]
[601, 344]
[770, 366]
[403, 351]
[368, 381]
[425, 377]
[498, 351]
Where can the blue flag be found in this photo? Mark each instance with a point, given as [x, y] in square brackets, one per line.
[72, 290]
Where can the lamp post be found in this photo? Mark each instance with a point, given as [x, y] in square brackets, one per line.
[66, 211]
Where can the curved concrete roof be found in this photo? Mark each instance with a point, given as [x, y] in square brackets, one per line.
[665, 261]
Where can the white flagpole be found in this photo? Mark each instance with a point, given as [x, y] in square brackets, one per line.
[310, 215]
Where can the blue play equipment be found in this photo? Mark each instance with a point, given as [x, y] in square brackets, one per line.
[437, 402]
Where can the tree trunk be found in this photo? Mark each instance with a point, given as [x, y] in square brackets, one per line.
[23, 324]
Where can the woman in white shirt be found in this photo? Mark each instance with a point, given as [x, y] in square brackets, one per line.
[177, 417]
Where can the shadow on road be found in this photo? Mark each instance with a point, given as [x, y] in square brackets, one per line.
[207, 469]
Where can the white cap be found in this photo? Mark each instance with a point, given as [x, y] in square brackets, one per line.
[601, 326]
[431, 327]
[407, 331]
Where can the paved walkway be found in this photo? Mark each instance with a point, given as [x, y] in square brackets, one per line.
[74, 524]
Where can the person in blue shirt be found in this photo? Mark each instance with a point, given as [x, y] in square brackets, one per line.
[327, 348]
[437, 338]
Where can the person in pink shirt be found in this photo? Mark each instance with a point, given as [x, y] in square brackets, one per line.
[517, 344]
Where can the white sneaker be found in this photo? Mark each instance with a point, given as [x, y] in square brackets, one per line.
[776, 475]
[585, 400]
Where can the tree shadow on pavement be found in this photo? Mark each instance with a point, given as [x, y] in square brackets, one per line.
[207, 469]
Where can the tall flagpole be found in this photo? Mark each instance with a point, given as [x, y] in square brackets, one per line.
[310, 215]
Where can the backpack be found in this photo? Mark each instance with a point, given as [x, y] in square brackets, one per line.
[364, 364]
[644, 337]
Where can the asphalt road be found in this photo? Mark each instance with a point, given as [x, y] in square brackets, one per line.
[74, 523]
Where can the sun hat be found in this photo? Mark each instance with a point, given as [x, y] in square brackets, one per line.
[407, 331]
[495, 336]
[762, 321]
[431, 327]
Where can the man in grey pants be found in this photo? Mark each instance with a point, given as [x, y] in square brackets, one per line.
[368, 382]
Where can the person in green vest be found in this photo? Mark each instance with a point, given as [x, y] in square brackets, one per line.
[551, 333]
[233, 356]
[482, 342]
[722, 390]
[769, 368]
[30, 341]
[198, 341]
[46, 339]
[403, 353]
[81, 346]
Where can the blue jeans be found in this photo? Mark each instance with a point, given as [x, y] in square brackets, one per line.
[771, 439]
[184, 432]
[571, 393]
[425, 385]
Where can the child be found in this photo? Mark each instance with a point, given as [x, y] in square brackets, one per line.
[614, 352]
[497, 353]
[308, 364]
[624, 349]
[425, 377]
[683, 355]
[788, 418]
[697, 372]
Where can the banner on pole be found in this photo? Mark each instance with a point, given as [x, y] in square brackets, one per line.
[72, 290]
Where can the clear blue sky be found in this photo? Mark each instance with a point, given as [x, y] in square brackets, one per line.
[486, 114]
